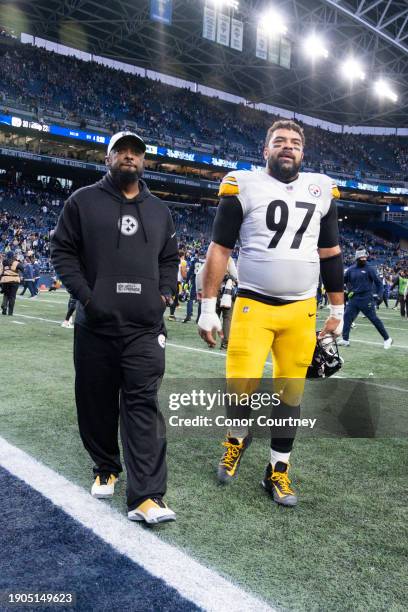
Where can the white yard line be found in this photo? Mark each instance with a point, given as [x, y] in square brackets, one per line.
[191, 579]
[38, 318]
[43, 301]
[398, 346]
[198, 350]
[387, 326]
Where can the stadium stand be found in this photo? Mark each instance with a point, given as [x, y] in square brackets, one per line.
[85, 93]
[28, 213]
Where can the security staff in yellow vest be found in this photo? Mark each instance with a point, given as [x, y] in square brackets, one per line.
[10, 280]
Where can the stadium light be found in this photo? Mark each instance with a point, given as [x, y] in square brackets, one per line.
[383, 90]
[352, 70]
[273, 23]
[234, 4]
[314, 47]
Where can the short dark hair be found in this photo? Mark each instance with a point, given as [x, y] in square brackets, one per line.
[285, 124]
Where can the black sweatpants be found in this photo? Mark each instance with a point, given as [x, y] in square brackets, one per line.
[9, 297]
[118, 378]
[403, 305]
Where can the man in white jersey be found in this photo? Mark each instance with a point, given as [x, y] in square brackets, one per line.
[286, 223]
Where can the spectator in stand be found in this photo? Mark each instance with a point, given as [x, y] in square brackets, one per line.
[80, 91]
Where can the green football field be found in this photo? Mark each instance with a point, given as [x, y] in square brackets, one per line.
[344, 547]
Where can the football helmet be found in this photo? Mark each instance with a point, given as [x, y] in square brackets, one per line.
[326, 358]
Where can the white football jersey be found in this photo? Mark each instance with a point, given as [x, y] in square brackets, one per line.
[280, 230]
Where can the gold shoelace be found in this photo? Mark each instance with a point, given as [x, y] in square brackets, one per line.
[230, 454]
[283, 480]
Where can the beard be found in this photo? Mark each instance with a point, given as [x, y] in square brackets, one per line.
[281, 170]
[125, 178]
[361, 263]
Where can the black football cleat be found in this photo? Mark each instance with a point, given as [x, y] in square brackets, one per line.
[276, 482]
[229, 465]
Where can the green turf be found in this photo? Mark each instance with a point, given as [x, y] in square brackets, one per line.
[343, 548]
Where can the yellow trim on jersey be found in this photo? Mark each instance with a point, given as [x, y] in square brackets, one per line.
[258, 329]
[335, 192]
[229, 186]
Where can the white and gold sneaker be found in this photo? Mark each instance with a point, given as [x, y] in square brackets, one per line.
[104, 486]
[153, 510]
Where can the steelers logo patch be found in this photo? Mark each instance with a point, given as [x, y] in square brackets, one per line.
[129, 225]
[315, 191]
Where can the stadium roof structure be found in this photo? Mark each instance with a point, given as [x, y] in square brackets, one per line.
[374, 31]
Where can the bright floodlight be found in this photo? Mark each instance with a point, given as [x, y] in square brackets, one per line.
[314, 47]
[273, 23]
[383, 90]
[352, 70]
[234, 4]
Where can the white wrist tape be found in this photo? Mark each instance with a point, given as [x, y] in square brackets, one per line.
[337, 311]
[208, 305]
[209, 320]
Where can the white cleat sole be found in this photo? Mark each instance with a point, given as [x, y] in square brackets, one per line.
[153, 520]
[102, 495]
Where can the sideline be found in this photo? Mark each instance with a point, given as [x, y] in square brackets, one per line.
[192, 580]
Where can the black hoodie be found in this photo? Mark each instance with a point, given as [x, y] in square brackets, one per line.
[116, 256]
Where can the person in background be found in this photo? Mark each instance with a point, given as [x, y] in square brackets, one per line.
[401, 281]
[28, 278]
[10, 280]
[194, 267]
[181, 277]
[225, 299]
[36, 272]
[386, 290]
[365, 289]
[67, 322]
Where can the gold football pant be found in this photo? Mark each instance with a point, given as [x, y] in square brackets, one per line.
[288, 332]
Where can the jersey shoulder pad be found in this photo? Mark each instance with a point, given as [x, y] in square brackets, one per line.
[334, 189]
[237, 181]
[229, 186]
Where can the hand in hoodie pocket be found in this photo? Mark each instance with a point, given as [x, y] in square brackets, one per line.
[94, 314]
[125, 300]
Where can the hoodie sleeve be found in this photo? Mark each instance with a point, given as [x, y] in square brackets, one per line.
[169, 260]
[66, 245]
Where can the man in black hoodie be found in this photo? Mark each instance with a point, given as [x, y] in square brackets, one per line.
[115, 250]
